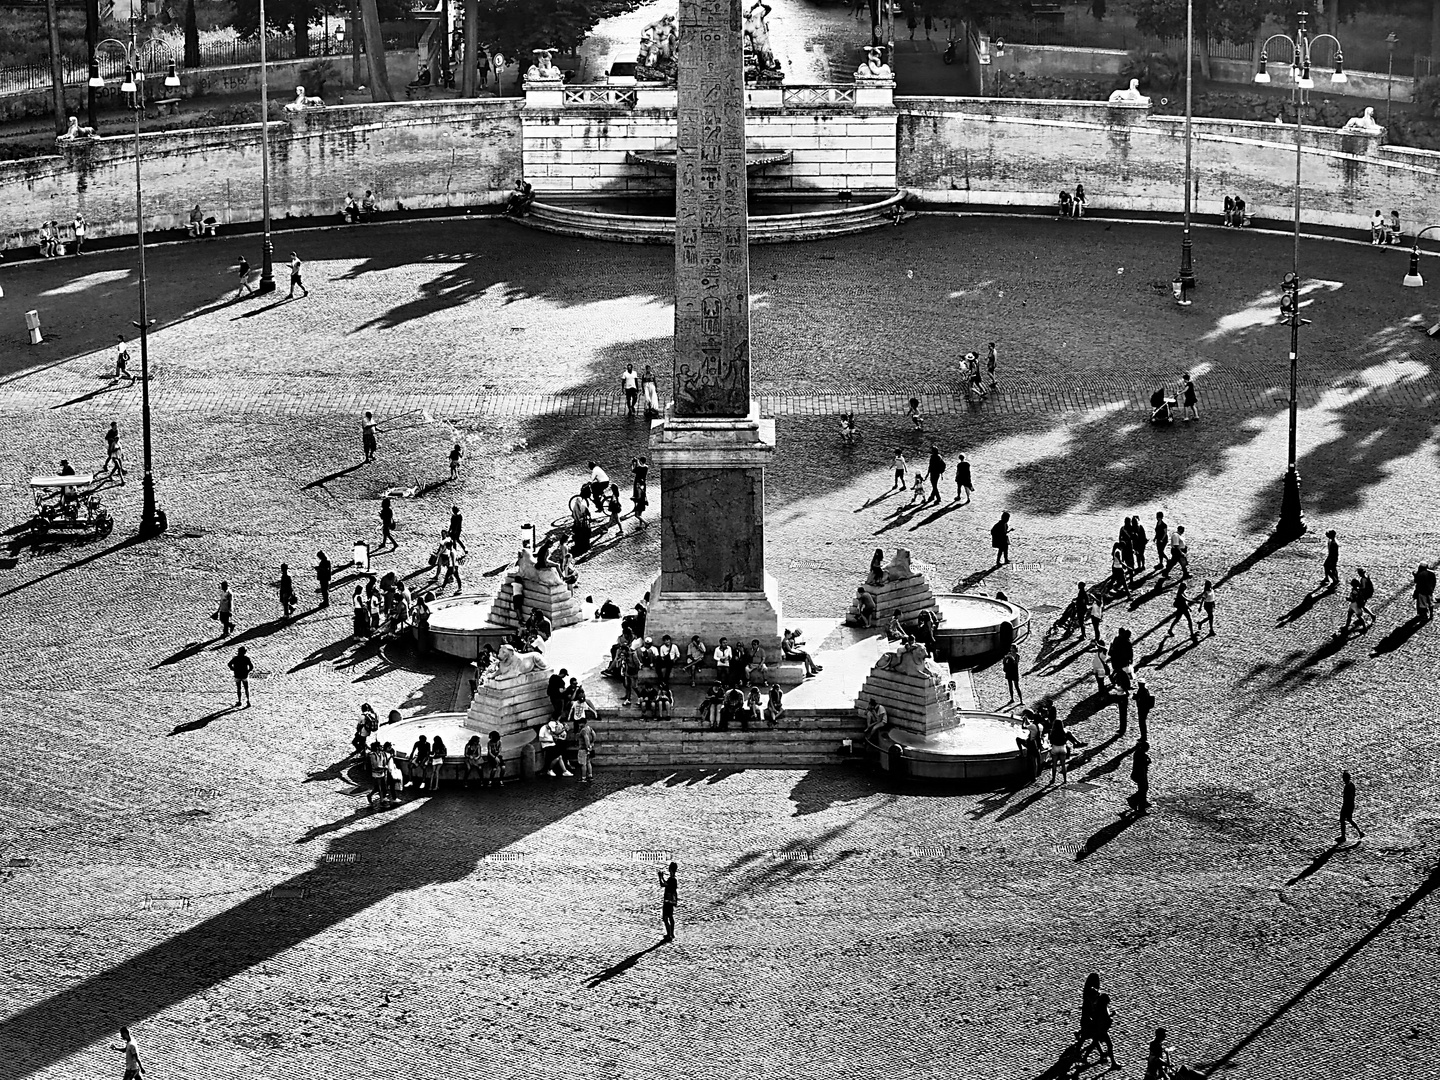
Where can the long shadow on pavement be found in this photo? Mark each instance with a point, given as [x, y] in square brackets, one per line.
[400, 855]
[1103, 836]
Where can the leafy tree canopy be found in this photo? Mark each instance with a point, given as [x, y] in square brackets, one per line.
[514, 27]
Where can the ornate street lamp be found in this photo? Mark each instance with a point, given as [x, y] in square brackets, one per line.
[152, 520]
[1292, 515]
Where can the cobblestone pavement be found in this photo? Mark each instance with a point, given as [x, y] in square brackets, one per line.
[214, 879]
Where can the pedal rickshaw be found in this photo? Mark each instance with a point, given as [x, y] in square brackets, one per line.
[70, 507]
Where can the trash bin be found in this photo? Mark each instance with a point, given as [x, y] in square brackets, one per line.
[32, 323]
[361, 556]
[527, 537]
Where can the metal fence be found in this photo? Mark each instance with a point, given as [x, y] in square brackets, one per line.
[29, 78]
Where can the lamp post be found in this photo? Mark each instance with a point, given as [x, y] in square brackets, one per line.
[152, 520]
[1413, 279]
[1187, 265]
[267, 250]
[1292, 514]
[1390, 41]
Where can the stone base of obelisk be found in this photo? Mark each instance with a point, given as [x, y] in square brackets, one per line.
[712, 579]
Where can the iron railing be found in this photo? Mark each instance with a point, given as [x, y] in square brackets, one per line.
[604, 97]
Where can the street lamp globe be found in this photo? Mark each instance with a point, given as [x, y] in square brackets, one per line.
[128, 86]
[1413, 278]
[1339, 76]
[1262, 76]
[172, 80]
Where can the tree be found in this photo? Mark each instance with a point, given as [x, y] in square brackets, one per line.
[192, 36]
[375, 52]
[515, 27]
[471, 58]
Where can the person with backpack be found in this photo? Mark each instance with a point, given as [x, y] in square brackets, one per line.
[1361, 590]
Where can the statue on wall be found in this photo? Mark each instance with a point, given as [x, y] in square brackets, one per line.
[874, 66]
[303, 102]
[75, 131]
[544, 69]
[1130, 95]
[509, 663]
[1363, 125]
[761, 67]
[659, 47]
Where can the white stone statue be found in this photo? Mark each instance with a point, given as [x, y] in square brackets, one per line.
[303, 102]
[757, 29]
[873, 67]
[544, 69]
[75, 131]
[1363, 125]
[530, 570]
[509, 663]
[899, 567]
[1129, 96]
[912, 658]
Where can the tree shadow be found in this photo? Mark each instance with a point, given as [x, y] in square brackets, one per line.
[256, 930]
[204, 721]
[816, 790]
[1421, 893]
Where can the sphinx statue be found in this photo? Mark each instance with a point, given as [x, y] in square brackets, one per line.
[1364, 124]
[898, 569]
[1129, 96]
[302, 102]
[75, 131]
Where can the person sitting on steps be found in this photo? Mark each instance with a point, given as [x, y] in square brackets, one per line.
[518, 204]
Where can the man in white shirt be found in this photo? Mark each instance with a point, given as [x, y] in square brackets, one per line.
[666, 657]
[599, 484]
[552, 744]
[133, 1069]
[630, 383]
[724, 656]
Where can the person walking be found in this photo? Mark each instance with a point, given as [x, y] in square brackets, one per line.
[990, 364]
[1367, 593]
[455, 455]
[134, 1069]
[1182, 611]
[651, 394]
[900, 465]
[964, 485]
[1158, 1065]
[1144, 702]
[240, 666]
[1207, 605]
[286, 587]
[1100, 667]
[225, 610]
[1179, 555]
[1095, 609]
[1011, 666]
[1424, 593]
[1140, 774]
[1138, 541]
[367, 436]
[114, 464]
[1119, 573]
[630, 383]
[937, 470]
[122, 359]
[1189, 399]
[1162, 540]
[457, 526]
[295, 281]
[585, 749]
[1330, 581]
[242, 269]
[1347, 809]
[671, 896]
[1000, 538]
[387, 524]
[323, 572]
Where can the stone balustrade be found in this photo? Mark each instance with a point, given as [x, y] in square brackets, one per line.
[622, 97]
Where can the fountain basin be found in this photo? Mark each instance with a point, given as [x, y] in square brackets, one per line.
[460, 625]
[981, 747]
[974, 627]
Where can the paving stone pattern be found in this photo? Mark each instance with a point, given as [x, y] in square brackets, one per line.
[215, 879]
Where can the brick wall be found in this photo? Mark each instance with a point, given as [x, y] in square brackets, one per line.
[422, 154]
[1003, 153]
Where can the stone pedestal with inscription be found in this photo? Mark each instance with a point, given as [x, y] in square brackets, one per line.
[712, 446]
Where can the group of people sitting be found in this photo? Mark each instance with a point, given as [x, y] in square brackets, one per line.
[742, 706]
[52, 239]
[518, 204]
[390, 608]
[1236, 216]
[353, 213]
[1383, 231]
[1073, 205]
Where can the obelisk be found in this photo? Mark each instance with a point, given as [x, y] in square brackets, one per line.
[712, 447]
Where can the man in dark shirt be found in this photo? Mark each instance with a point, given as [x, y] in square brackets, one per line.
[670, 899]
[241, 666]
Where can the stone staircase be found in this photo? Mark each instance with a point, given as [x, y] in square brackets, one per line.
[800, 742]
[556, 216]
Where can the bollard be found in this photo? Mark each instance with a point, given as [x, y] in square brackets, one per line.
[32, 323]
[527, 537]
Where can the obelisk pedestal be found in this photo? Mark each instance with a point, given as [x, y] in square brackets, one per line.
[712, 447]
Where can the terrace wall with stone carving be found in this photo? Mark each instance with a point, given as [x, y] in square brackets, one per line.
[1005, 152]
[421, 155]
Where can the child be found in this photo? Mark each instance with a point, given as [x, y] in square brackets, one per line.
[455, 455]
[917, 497]
[649, 702]
[915, 420]
[847, 428]
[774, 708]
[664, 701]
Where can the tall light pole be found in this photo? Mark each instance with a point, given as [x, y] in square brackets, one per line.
[1292, 514]
[1187, 265]
[152, 520]
[1390, 41]
[267, 252]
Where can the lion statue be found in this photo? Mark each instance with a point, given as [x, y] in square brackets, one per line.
[1363, 125]
[508, 662]
[1129, 96]
[898, 569]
